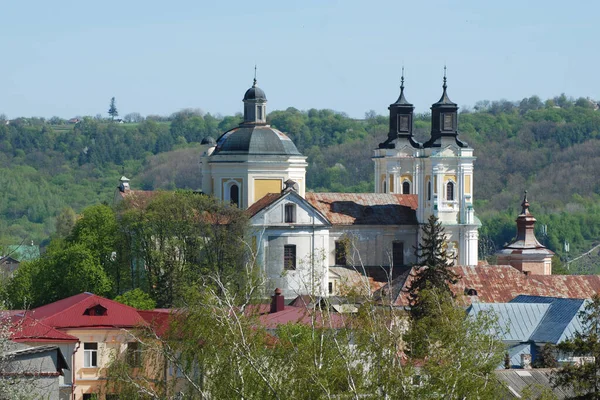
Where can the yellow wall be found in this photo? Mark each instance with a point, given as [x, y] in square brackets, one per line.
[468, 184]
[450, 178]
[264, 186]
[406, 177]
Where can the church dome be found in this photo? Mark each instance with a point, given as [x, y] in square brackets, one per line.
[208, 140]
[255, 140]
[255, 93]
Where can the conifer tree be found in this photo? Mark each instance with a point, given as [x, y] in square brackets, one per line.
[435, 262]
[112, 110]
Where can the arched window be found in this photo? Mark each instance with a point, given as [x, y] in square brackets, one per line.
[384, 187]
[450, 191]
[429, 190]
[406, 187]
[234, 194]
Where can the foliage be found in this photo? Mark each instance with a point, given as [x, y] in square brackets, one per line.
[137, 298]
[179, 237]
[435, 262]
[583, 377]
[58, 274]
[546, 357]
[218, 347]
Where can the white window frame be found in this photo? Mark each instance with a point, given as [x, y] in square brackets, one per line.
[454, 187]
[88, 355]
[294, 213]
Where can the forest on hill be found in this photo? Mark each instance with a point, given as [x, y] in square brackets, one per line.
[48, 168]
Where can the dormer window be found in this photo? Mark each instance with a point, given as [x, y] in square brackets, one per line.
[96, 310]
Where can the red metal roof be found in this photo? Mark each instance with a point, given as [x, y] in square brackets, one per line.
[366, 208]
[27, 329]
[302, 315]
[502, 283]
[69, 313]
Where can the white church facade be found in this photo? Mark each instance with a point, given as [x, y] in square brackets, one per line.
[306, 242]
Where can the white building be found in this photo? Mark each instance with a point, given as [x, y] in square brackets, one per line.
[302, 239]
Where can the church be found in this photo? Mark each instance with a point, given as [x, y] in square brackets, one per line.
[310, 243]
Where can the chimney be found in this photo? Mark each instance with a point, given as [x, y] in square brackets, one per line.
[277, 301]
[526, 361]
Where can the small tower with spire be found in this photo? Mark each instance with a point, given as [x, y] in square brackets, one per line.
[525, 253]
[255, 102]
[444, 119]
[401, 120]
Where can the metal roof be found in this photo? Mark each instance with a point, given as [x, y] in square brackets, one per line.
[366, 208]
[255, 140]
[563, 314]
[518, 321]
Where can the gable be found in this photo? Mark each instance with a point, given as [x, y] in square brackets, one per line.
[273, 211]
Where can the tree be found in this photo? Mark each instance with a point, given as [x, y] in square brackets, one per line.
[583, 377]
[65, 222]
[137, 298]
[435, 261]
[112, 109]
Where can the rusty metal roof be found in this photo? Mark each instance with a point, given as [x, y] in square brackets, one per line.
[366, 208]
[502, 283]
[264, 202]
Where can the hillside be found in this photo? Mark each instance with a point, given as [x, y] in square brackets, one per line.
[547, 148]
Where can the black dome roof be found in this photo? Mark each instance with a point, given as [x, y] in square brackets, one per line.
[255, 93]
[256, 140]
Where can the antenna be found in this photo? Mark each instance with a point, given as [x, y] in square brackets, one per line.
[254, 75]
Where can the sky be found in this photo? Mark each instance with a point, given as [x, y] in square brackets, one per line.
[68, 58]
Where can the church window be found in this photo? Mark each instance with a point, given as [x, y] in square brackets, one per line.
[450, 191]
[234, 194]
[340, 253]
[384, 187]
[259, 112]
[429, 190]
[290, 213]
[406, 187]
[397, 254]
[289, 257]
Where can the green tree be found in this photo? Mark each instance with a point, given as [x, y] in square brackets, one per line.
[137, 298]
[435, 262]
[65, 222]
[112, 109]
[583, 378]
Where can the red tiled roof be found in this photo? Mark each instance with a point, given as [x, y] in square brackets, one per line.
[366, 208]
[502, 283]
[27, 329]
[69, 313]
[265, 201]
[301, 315]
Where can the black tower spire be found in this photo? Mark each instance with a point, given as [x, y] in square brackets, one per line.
[444, 119]
[401, 120]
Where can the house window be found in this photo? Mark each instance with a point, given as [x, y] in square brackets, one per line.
[397, 254]
[289, 257]
[290, 213]
[406, 187]
[330, 287]
[450, 191]
[90, 396]
[340, 253]
[429, 190]
[234, 194]
[90, 355]
[133, 355]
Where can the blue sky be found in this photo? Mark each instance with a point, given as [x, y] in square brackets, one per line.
[69, 58]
